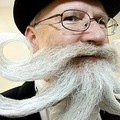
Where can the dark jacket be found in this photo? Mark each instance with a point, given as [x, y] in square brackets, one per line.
[27, 90]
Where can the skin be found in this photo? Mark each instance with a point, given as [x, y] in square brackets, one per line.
[54, 34]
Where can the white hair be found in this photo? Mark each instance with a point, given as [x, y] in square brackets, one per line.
[86, 82]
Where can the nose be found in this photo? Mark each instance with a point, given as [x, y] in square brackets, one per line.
[94, 34]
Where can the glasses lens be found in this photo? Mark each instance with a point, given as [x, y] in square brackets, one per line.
[112, 26]
[108, 25]
[79, 21]
[75, 20]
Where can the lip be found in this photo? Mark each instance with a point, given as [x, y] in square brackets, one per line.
[76, 60]
[92, 57]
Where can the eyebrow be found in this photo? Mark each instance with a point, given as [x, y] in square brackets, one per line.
[101, 15]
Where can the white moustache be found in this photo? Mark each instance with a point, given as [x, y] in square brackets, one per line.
[54, 57]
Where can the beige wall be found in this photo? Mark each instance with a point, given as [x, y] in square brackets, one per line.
[6, 20]
[7, 25]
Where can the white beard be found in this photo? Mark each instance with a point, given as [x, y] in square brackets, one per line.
[92, 79]
[89, 83]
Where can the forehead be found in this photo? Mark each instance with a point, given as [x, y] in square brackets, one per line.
[59, 6]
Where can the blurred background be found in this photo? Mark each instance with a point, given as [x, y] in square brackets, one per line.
[7, 25]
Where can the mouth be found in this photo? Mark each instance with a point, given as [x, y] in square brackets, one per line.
[87, 57]
[90, 56]
[81, 58]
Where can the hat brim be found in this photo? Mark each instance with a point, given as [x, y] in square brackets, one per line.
[25, 10]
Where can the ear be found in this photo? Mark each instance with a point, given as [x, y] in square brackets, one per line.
[30, 33]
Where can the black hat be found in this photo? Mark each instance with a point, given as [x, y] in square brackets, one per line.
[25, 10]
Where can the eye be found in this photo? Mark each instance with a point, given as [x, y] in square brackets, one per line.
[103, 22]
[71, 18]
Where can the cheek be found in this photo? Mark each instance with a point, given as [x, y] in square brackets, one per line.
[53, 37]
[62, 37]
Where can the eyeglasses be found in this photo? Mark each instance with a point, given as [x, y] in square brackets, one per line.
[79, 21]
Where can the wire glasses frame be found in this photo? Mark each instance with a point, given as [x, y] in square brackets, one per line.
[79, 21]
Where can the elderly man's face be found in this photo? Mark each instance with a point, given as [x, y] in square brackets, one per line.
[87, 85]
[48, 34]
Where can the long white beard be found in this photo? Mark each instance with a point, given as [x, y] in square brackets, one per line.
[92, 79]
[88, 82]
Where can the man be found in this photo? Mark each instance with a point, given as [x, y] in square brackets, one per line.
[72, 66]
